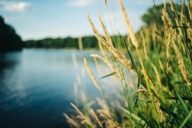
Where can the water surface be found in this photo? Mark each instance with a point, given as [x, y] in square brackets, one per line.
[37, 86]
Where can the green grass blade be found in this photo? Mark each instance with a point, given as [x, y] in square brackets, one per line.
[135, 117]
[182, 102]
[186, 119]
[108, 75]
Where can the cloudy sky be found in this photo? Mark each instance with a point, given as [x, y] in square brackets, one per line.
[34, 19]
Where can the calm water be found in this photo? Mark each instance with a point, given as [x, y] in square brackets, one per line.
[37, 86]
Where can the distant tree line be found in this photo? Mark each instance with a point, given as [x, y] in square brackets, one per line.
[152, 20]
[69, 42]
[9, 40]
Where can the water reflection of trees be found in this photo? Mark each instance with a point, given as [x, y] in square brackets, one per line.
[9, 60]
[8, 69]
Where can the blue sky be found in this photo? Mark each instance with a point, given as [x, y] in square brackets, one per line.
[35, 19]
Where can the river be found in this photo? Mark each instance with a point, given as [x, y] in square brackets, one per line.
[37, 86]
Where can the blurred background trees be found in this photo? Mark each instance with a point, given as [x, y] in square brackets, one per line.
[9, 39]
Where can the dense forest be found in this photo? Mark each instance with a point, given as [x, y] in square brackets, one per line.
[9, 39]
[69, 42]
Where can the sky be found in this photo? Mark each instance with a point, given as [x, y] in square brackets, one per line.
[37, 19]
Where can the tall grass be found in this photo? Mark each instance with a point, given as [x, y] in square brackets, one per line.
[159, 91]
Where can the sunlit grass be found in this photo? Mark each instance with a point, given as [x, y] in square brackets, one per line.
[159, 59]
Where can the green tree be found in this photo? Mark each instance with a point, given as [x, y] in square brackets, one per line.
[9, 39]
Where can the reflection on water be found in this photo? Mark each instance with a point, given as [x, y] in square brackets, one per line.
[36, 87]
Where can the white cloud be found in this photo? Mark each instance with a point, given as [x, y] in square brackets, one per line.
[13, 6]
[80, 3]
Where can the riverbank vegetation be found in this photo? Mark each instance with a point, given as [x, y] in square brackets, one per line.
[9, 39]
[68, 42]
[160, 56]
[88, 42]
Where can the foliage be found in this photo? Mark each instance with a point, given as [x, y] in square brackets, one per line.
[153, 23]
[69, 42]
[153, 15]
[9, 40]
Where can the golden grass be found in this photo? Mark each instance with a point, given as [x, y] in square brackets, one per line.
[163, 94]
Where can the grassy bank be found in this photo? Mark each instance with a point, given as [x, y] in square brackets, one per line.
[160, 56]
